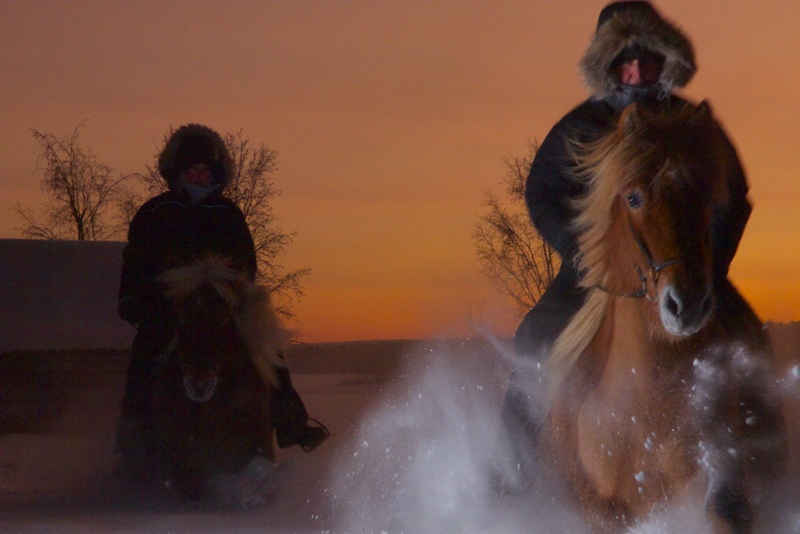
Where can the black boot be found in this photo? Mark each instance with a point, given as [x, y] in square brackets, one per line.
[291, 418]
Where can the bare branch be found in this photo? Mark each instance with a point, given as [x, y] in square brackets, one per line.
[511, 253]
[80, 191]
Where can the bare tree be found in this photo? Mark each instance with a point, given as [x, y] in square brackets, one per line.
[510, 251]
[148, 184]
[253, 190]
[80, 191]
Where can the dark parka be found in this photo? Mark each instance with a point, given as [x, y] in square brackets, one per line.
[552, 186]
[171, 229]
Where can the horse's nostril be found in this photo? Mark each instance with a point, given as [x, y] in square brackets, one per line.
[673, 306]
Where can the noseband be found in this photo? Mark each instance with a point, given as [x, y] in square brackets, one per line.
[652, 273]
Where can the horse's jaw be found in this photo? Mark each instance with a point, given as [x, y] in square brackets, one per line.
[199, 391]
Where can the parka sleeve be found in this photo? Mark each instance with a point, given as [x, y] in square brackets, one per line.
[549, 192]
[138, 265]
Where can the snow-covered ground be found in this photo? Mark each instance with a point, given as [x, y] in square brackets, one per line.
[412, 450]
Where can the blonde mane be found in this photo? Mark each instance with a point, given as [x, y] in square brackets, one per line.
[606, 169]
[183, 281]
[258, 324]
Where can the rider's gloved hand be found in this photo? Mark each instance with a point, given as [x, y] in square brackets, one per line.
[132, 310]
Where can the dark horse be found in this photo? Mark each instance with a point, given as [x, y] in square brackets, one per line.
[212, 420]
[650, 400]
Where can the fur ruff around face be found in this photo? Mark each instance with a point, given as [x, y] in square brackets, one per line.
[195, 137]
[643, 28]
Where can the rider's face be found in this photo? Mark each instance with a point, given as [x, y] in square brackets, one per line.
[640, 72]
[198, 174]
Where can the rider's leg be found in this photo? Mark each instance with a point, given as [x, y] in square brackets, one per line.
[523, 406]
[134, 429]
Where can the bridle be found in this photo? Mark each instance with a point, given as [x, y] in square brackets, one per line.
[652, 274]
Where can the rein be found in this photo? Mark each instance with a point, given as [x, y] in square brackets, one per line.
[652, 273]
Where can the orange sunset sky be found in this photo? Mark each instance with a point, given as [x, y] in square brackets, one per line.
[390, 119]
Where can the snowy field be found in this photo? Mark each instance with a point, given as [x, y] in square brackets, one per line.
[415, 440]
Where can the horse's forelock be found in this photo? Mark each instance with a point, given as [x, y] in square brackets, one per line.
[636, 152]
[182, 281]
[607, 167]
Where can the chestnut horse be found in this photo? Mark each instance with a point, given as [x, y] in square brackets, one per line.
[649, 398]
[211, 407]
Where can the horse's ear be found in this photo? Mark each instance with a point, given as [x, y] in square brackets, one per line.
[630, 120]
[703, 111]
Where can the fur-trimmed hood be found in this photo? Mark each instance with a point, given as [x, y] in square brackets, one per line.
[191, 144]
[626, 24]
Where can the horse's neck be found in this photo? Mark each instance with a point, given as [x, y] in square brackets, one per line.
[636, 362]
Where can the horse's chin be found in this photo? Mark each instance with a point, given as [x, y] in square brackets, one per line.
[680, 331]
[199, 392]
[678, 327]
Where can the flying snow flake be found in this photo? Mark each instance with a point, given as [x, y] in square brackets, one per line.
[640, 477]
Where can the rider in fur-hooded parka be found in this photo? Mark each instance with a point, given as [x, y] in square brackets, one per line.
[185, 223]
[628, 33]
[625, 30]
[193, 220]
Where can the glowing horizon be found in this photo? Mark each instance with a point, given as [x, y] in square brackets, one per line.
[390, 121]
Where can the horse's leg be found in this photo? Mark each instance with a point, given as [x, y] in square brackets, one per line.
[246, 474]
[188, 481]
[179, 456]
[728, 501]
[267, 448]
[729, 505]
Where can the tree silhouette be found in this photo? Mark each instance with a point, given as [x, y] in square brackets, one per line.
[81, 191]
[510, 251]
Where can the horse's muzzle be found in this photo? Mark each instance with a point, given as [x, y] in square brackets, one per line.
[682, 316]
[200, 390]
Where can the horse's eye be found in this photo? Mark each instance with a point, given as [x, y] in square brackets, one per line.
[635, 200]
